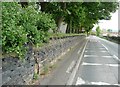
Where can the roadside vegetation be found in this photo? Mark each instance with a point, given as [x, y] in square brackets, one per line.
[25, 23]
[112, 38]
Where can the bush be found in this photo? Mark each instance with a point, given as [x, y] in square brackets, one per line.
[13, 35]
[23, 25]
[45, 22]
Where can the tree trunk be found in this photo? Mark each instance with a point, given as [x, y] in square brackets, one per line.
[68, 28]
[43, 6]
[60, 18]
[76, 29]
[59, 21]
[80, 29]
[24, 3]
[70, 25]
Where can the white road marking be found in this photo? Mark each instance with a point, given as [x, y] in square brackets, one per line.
[98, 64]
[103, 51]
[113, 65]
[105, 47]
[84, 63]
[100, 83]
[70, 67]
[89, 51]
[94, 51]
[117, 84]
[80, 81]
[108, 56]
[114, 56]
[72, 76]
[90, 56]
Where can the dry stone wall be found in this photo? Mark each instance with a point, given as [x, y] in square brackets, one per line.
[17, 72]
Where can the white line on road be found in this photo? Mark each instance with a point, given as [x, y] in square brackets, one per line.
[100, 83]
[70, 67]
[105, 47]
[72, 76]
[108, 56]
[84, 63]
[114, 56]
[90, 56]
[103, 51]
[113, 65]
[80, 81]
[98, 64]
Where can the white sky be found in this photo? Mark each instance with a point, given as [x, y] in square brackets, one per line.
[109, 24]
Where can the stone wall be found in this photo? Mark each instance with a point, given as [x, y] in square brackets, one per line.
[17, 72]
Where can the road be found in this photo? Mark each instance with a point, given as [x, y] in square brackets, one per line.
[64, 67]
[94, 61]
[98, 66]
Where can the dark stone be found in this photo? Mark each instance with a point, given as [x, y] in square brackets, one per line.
[16, 72]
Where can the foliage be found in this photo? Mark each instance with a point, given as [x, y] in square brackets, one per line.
[98, 31]
[109, 30]
[80, 15]
[35, 76]
[22, 26]
[13, 35]
[96, 11]
[45, 22]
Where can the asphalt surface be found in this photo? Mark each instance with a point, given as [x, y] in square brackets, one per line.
[64, 67]
[93, 61]
[98, 66]
[113, 48]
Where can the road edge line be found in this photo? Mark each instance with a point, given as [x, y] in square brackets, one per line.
[105, 47]
[72, 76]
[116, 57]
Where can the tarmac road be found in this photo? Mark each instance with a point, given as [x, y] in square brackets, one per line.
[93, 61]
[99, 65]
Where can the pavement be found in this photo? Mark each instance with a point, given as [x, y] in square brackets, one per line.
[94, 61]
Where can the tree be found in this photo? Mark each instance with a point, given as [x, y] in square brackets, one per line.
[98, 31]
[109, 30]
[95, 11]
[57, 9]
[79, 15]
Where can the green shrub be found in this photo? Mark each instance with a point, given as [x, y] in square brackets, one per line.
[22, 25]
[45, 22]
[13, 35]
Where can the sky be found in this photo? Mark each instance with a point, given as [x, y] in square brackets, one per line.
[109, 24]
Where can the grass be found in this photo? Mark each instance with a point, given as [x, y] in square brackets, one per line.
[62, 34]
[35, 76]
[48, 68]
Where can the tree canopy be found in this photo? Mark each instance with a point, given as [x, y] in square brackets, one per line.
[29, 22]
[79, 15]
